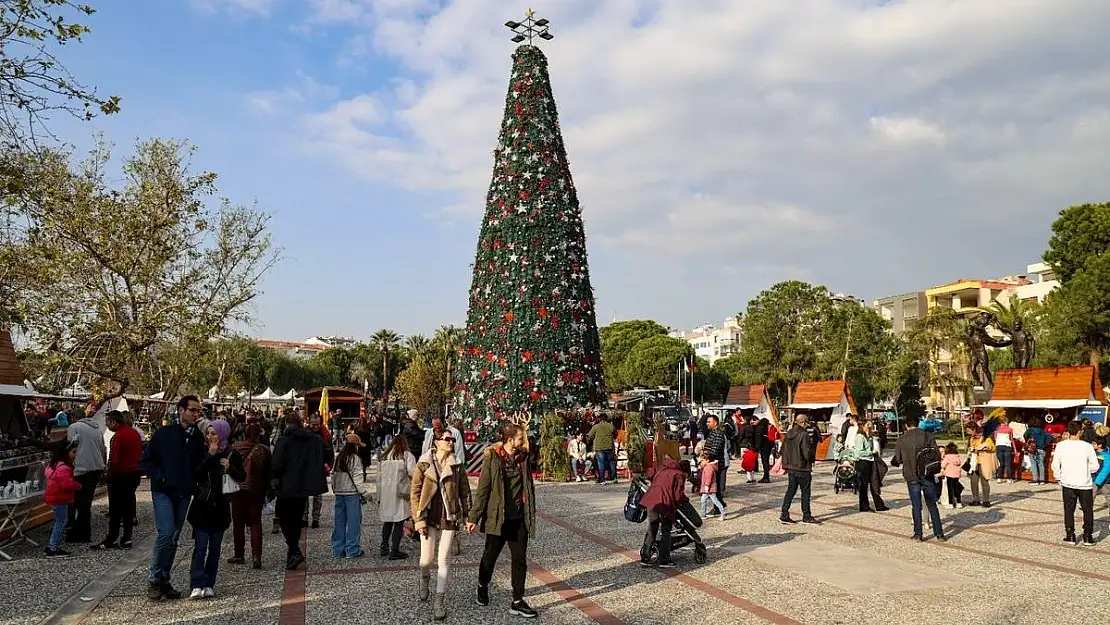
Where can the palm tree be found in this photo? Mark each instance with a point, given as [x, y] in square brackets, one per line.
[1006, 312]
[417, 345]
[449, 338]
[385, 341]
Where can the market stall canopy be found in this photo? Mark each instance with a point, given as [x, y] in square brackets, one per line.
[158, 395]
[22, 392]
[214, 392]
[1047, 388]
[290, 395]
[76, 391]
[267, 395]
[752, 397]
[28, 384]
[833, 394]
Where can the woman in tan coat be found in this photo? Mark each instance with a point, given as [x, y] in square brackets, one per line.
[440, 501]
[986, 463]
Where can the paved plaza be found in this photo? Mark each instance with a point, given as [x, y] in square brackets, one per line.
[1002, 565]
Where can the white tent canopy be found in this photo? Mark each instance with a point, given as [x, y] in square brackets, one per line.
[28, 384]
[267, 395]
[214, 392]
[159, 395]
[76, 390]
[290, 395]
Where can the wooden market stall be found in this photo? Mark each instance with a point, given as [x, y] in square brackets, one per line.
[21, 460]
[752, 400]
[350, 400]
[1049, 397]
[828, 404]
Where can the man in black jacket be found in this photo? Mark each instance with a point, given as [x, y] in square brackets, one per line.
[797, 460]
[298, 469]
[170, 461]
[906, 454]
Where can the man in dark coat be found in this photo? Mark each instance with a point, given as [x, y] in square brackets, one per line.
[298, 469]
[797, 460]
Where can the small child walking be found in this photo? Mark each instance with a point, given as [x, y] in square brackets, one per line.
[707, 469]
[61, 488]
[951, 467]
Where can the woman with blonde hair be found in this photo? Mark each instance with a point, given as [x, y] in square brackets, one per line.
[440, 500]
[395, 469]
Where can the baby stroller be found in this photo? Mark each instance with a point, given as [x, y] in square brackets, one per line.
[684, 531]
[845, 476]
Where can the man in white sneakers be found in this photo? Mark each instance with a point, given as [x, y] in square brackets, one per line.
[1073, 463]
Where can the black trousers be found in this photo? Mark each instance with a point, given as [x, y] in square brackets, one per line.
[392, 531]
[722, 478]
[1086, 501]
[658, 523]
[863, 479]
[515, 534]
[765, 456]
[80, 513]
[121, 506]
[288, 511]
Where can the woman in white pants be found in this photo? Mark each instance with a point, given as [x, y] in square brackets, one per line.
[440, 501]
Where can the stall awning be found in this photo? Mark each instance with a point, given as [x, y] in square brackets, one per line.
[812, 406]
[1047, 404]
[740, 406]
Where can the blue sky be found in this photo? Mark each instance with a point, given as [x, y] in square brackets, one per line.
[874, 149]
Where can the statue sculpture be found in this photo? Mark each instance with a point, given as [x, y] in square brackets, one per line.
[977, 339]
[1024, 345]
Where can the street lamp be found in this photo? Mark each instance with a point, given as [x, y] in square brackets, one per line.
[529, 29]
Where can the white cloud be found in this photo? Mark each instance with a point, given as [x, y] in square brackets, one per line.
[260, 7]
[827, 138]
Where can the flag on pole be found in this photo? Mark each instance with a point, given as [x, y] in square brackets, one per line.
[693, 363]
[324, 411]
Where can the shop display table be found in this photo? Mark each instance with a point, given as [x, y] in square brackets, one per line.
[15, 511]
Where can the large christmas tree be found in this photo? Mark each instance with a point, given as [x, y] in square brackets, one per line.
[531, 333]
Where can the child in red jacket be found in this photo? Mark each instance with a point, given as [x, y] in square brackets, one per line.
[661, 501]
[61, 487]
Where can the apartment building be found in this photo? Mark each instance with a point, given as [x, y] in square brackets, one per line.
[902, 310]
[713, 343]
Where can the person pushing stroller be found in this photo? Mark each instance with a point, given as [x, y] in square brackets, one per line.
[662, 501]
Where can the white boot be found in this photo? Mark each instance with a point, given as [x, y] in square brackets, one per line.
[439, 610]
[425, 586]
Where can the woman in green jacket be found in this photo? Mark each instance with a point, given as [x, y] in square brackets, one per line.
[504, 509]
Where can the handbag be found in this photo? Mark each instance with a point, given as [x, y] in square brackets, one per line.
[633, 511]
[229, 485]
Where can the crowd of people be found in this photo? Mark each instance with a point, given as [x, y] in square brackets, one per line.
[1079, 452]
[221, 472]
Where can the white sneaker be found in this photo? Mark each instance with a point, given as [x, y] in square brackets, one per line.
[208, 593]
[959, 505]
[1011, 481]
[196, 593]
[949, 506]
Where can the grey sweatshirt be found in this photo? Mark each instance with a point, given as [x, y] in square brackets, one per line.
[89, 437]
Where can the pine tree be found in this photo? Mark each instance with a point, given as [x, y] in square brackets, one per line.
[531, 340]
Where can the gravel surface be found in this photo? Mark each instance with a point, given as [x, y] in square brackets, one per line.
[854, 568]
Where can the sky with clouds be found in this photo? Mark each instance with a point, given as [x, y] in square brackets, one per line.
[718, 147]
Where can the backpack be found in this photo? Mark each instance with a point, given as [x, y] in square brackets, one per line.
[928, 461]
[633, 511]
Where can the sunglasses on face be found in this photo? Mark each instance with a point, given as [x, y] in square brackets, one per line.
[447, 439]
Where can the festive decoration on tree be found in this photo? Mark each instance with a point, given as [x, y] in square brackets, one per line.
[531, 340]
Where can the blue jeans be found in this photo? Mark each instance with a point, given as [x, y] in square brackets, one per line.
[169, 518]
[711, 498]
[604, 460]
[206, 558]
[1037, 466]
[927, 487]
[575, 465]
[1005, 456]
[61, 515]
[346, 535]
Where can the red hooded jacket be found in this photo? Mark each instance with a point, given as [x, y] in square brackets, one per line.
[666, 492]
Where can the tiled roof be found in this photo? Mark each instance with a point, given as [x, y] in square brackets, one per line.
[9, 366]
[1079, 382]
[745, 395]
[827, 392]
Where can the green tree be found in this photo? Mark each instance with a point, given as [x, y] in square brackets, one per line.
[531, 332]
[937, 342]
[857, 344]
[655, 361]
[783, 326]
[105, 275]
[617, 341]
[1078, 254]
[386, 342]
[421, 385]
[447, 339]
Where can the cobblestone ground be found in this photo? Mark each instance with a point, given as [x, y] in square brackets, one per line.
[1005, 564]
